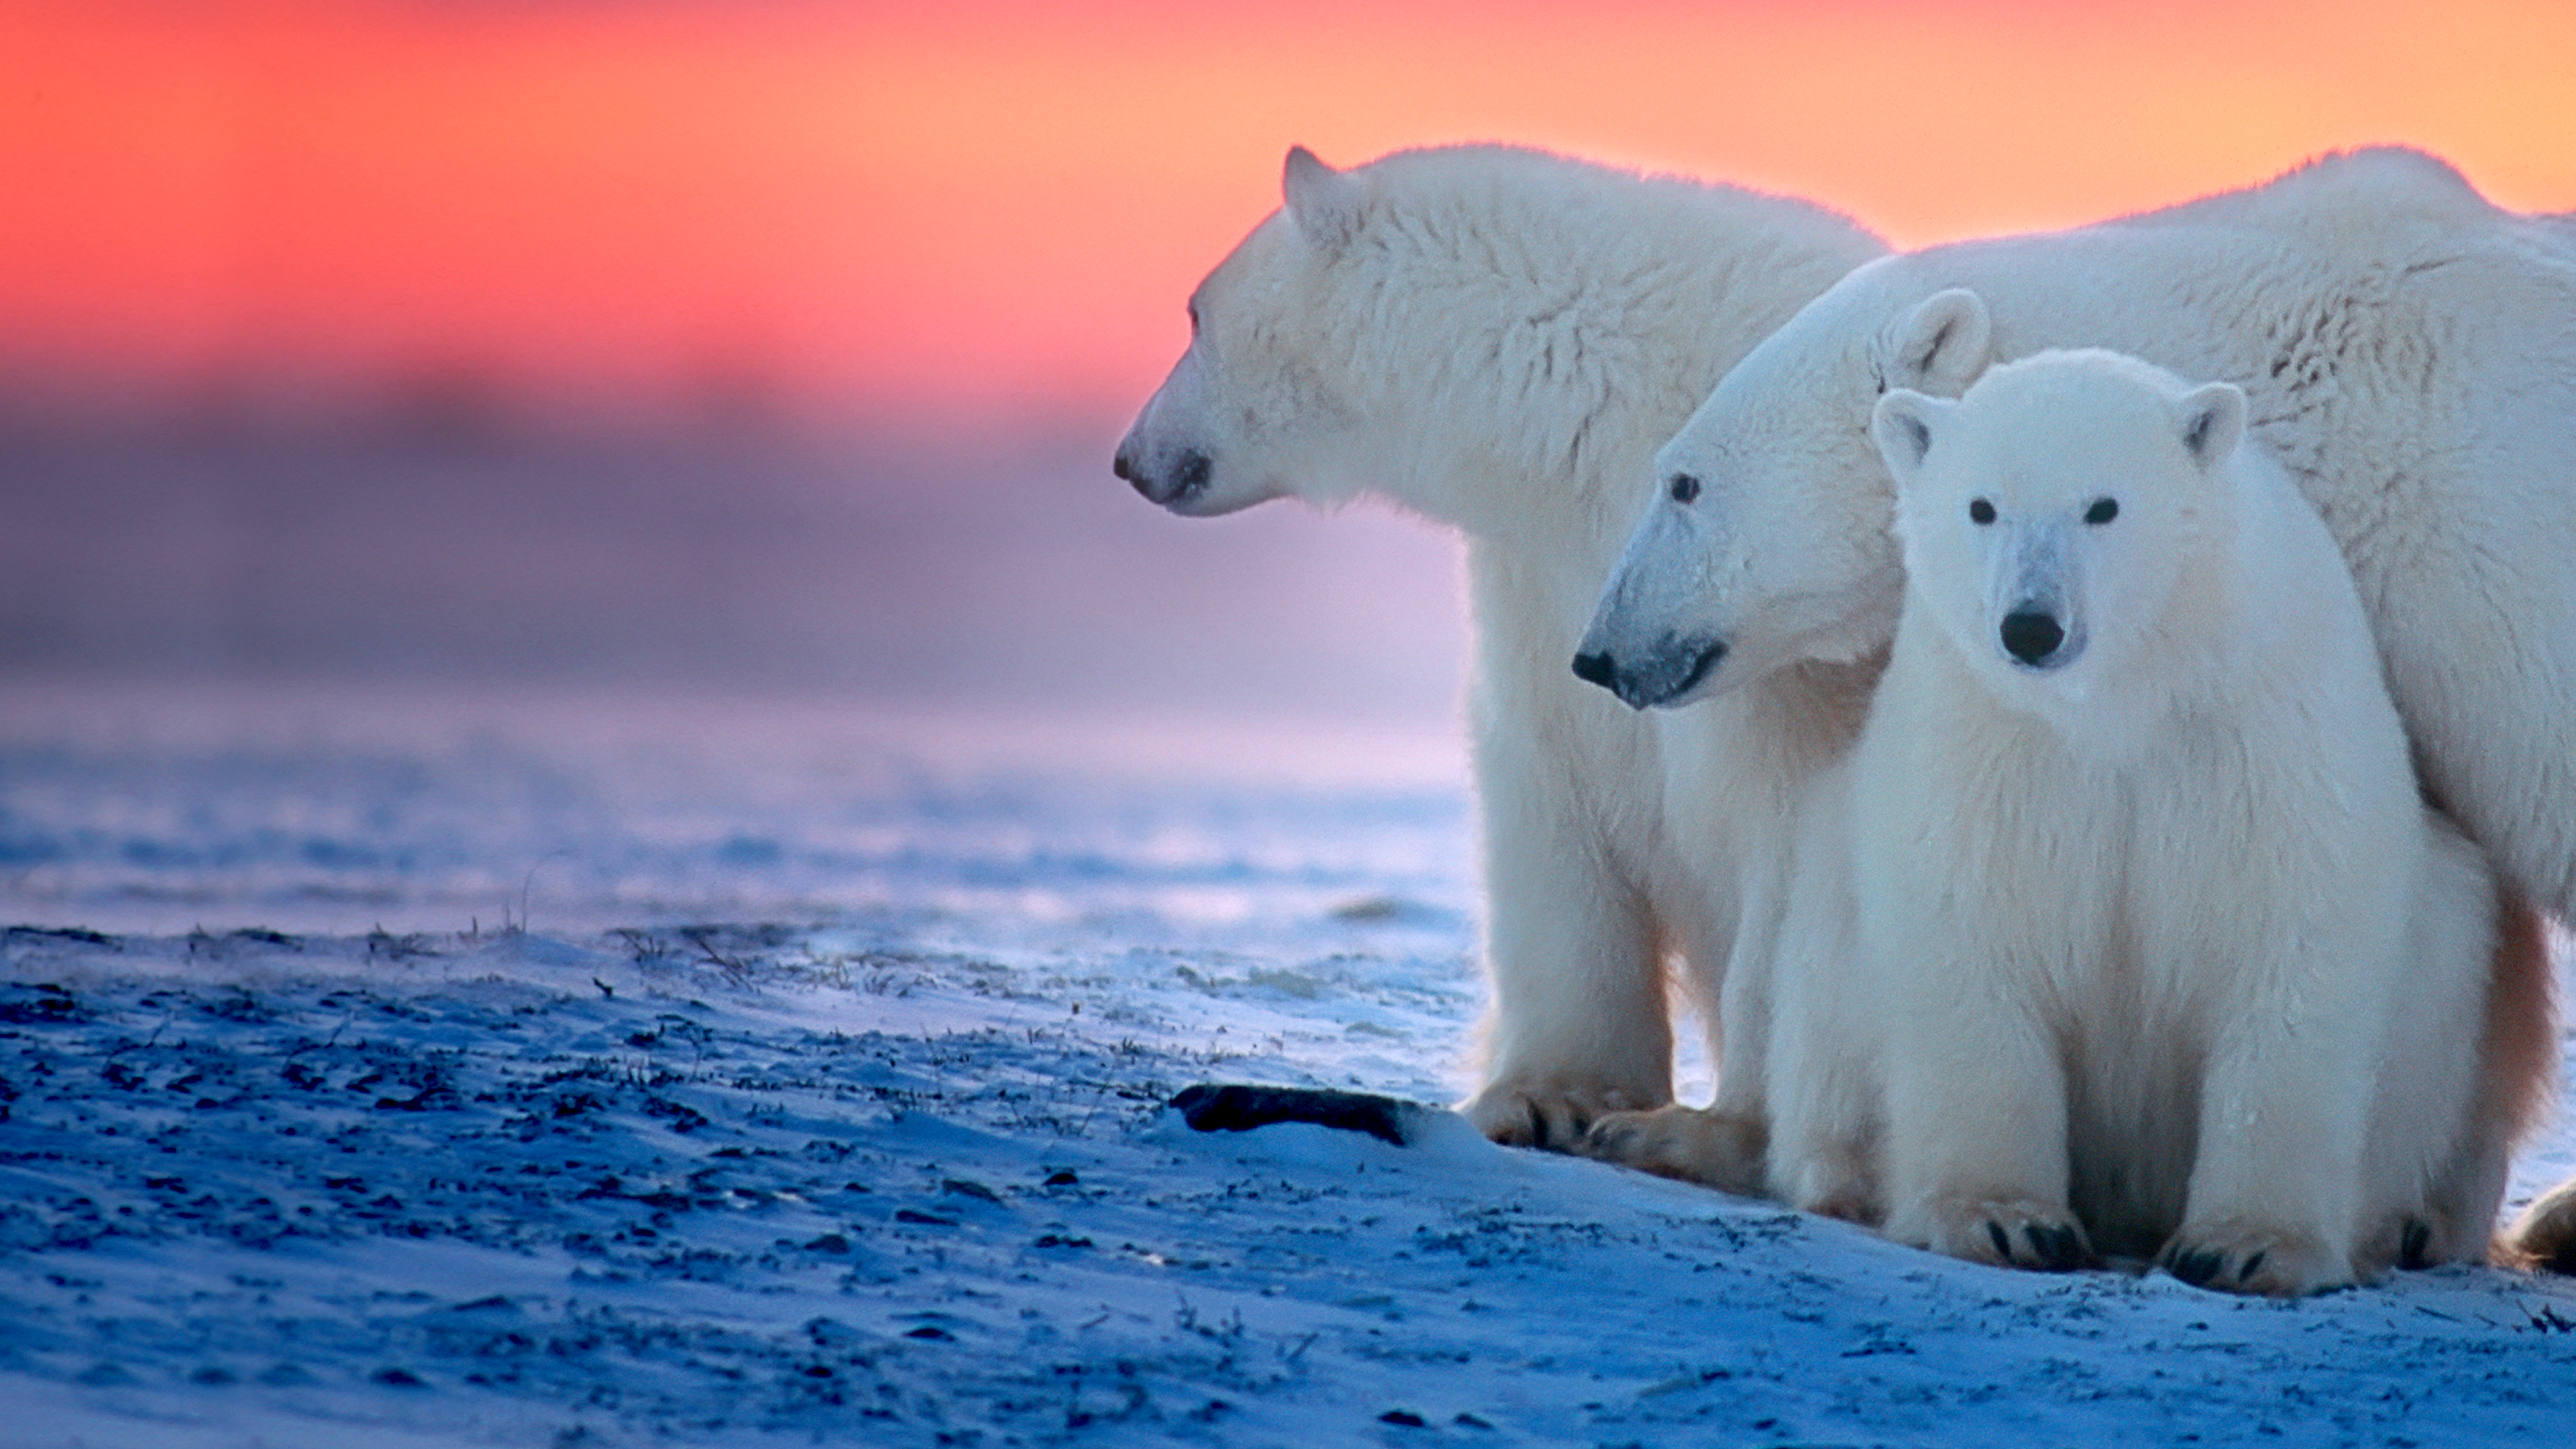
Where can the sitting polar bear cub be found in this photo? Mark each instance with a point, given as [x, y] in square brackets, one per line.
[2166, 954]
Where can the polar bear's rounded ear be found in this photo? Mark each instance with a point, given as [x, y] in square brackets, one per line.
[1944, 343]
[2213, 421]
[1324, 203]
[1902, 426]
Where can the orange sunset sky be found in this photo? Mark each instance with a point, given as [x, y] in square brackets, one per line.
[913, 209]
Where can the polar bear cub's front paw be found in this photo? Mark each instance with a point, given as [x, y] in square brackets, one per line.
[2254, 1258]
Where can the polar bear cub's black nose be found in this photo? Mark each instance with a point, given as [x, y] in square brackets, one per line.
[2031, 636]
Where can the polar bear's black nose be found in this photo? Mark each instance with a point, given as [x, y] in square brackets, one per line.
[1183, 485]
[1598, 669]
[2031, 637]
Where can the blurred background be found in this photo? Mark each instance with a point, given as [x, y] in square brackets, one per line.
[774, 348]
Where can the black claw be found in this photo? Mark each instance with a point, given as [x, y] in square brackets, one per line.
[2415, 1245]
[2194, 1268]
[2059, 1248]
[2252, 1266]
[1537, 1126]
[2003, 1242]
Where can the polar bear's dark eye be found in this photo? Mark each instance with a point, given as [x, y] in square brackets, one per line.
[1980, 511]
[1685, 488]
[1194, 319]
[2102, 511]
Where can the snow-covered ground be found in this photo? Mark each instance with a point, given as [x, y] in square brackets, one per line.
[387, 1068]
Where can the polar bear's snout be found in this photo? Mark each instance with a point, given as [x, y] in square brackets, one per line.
[1177, 485]
[2034, 581]
[1663, 675]
[2033, 637]
[1652, 640]
[2039, 632]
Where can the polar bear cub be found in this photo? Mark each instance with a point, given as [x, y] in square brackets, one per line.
[2170, 956]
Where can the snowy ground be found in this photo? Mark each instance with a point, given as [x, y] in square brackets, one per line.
[383, 1070]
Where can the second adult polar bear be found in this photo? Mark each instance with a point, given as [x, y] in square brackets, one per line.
[1498, 339]
[2165, 944]
[2410, 353]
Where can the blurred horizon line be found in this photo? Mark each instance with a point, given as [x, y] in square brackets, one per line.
[446, 525]
[464, 392]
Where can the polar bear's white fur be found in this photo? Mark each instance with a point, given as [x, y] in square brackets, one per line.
[1498, 340]
[2168, 955]
[2409, 352]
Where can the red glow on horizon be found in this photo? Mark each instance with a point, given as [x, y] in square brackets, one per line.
[981, 205]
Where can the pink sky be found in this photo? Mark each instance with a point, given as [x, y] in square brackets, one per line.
[897, 208]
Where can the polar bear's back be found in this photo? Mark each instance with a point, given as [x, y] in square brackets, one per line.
[1544, 193]
[2374, 185]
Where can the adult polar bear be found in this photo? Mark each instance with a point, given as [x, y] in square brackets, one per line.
[2410, 355]
[2167, 952]
[1498, 339]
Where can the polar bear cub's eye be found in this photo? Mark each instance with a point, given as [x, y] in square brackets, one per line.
[1980, 511]
[2102, 511]
[1685, 487]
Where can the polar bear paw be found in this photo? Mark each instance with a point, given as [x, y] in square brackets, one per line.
[2008, 1232]
[1550, 1116]
[2544, 1236]
[2257, 1259]
[1715, 1149]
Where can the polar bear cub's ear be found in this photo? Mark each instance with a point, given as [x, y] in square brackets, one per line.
[1324, 203]
[2213, 421]
[1902, 425]
[1944, 343]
